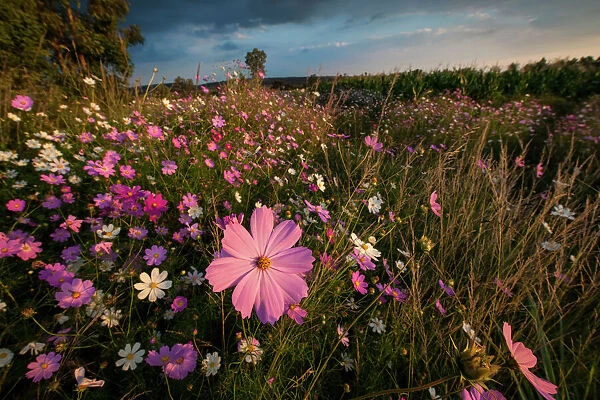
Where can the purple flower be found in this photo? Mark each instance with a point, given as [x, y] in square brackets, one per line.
[476, 392]
[169, 167]
[71, 253]
[56, 275]
[184, 358]
[52, 202]
[137, 232]
[155, 255]
[44, 366]
[263, 266]
[179, 304]
[60, 235]
[449, 291]
[75, 293]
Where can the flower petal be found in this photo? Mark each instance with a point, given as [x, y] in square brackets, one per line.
[261, 226]
[269, 304]
[523, 356]
[293, 261]
[284, 236]
[545, 388]
[244, 294]
[238, 242]
[225, 272]
[293, 287]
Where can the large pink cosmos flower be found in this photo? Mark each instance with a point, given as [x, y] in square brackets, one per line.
[525, 360]
[263, 266]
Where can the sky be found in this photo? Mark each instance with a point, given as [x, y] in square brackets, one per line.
[329, 37]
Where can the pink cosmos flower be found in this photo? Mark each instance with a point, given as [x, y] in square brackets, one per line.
[15, 205]
[296, 313]
[525, 360]
[263, 266]
[72, 223]
[75, 293]
[358, 281]
[476, 392]
[323, 213]
[44, 366]
[218, 121]
[155, 205]
[23, 103]
[440, 307]
[155, 132]
[519, 162]
[539, 170]
[372, 142]
[29, 249]
[435, 207]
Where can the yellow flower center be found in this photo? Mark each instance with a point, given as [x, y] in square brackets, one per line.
[130, 356]
[263, 262]
[153, 285]
[76, 295]
[44, 366]
[180, 360]
[164, 359]
[365, 246]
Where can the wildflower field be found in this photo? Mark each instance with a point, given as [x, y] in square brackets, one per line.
[246, 243]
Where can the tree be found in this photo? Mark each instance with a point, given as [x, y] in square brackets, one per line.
[255, 60]
[59, 39]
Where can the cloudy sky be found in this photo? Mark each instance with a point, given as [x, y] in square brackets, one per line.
[326, 37]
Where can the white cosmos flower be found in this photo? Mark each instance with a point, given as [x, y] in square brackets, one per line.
[211, 363]
[32, 347]
[132, 356]
[366, 249]
[377, 325]
[6, 357]
[152, 286]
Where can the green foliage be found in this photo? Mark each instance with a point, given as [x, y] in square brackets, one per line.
[571, 79]
[255, 60]
[59, 40]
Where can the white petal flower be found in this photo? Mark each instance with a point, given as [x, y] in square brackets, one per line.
[132, 356]
[6, 357]
[153, 286]
[211, 363]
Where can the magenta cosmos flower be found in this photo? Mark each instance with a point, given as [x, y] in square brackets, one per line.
[21, 102]
[263, 266]
[44, 366]
[525, 360]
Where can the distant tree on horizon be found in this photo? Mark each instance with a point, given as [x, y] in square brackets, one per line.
[256, 60]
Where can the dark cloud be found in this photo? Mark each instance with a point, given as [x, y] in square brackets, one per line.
[227, 46]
